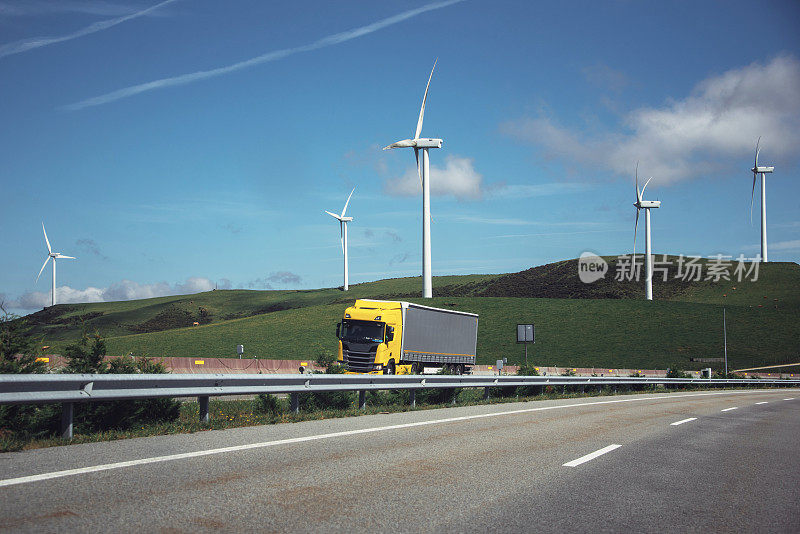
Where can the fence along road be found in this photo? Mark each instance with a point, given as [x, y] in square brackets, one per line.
[68, 389]
[472, 469]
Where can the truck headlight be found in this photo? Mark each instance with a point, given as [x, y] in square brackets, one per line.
[378, 367]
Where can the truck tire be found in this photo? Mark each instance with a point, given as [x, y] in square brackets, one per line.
[390, 368]
[415, 368]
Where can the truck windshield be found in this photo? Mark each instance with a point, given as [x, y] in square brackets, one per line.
[362, 331]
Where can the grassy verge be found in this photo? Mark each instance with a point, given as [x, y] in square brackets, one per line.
[227, 414]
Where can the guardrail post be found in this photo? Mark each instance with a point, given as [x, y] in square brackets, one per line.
[486, 393]
[412, 397]
[362, 399]
[67, 410]
[454, 397]
[294, 402]
[203, 402]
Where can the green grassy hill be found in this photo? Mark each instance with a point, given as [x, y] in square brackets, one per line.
[604, 324]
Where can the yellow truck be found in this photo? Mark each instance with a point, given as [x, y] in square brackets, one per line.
[388, 337]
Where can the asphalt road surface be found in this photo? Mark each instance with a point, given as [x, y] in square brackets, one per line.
[687, 461]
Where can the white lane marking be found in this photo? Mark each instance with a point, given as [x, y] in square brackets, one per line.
[763, 402]
[729, 409]
[790, 398]
[195, 454]
[676, 423]
[591, 456]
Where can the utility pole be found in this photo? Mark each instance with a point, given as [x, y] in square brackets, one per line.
[725, 340]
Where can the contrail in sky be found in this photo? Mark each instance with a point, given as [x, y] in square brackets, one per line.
[38, 42]
[264, 58]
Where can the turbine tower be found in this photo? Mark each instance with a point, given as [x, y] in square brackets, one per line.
[423, 144]
[52, 256]
[343, 234]
[645, 205]
[756, 170]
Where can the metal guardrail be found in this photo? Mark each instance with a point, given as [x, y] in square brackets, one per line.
[71, 388]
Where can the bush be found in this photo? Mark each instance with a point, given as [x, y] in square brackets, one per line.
[268, 404]
[528, 391]
[87, 355]
[17, 355]
[677, 373]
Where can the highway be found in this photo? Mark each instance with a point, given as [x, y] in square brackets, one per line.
[686, 461]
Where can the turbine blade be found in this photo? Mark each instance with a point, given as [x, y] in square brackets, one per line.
[42, 269]
[424, 98]
[645, 187]
[755, 163]
[338, 218]
[348, 202]
[61, 256]
[419, 171]
[638, 194]
[49, 250]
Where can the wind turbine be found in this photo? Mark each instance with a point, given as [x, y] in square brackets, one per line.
[343, 234]
[52, 256]
[756, 170]
[423, 144]
[645, 205]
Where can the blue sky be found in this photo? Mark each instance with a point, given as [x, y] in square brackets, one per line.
[177, 145]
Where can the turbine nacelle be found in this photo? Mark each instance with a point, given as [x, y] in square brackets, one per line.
[759, 170]
[416, 143]
[647, 204]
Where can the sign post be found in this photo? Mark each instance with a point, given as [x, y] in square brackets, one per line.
[526, 333]
[240, 350]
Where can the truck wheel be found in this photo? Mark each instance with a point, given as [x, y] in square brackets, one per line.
[415, 368]
[389, 369]
[458, 369]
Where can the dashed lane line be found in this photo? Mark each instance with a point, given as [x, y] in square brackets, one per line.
[676, 423]
[592, 456]
[729, 409]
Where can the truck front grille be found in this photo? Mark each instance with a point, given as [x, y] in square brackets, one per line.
[359, 361]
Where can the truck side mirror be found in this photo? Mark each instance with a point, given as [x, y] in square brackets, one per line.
[389, 333]
[338, 326]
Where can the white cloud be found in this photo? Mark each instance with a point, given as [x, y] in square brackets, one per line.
[123, 290]
[38, 42]
[458, 178]
[720, 120]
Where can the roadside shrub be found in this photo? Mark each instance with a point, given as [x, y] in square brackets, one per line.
[87, 355]
[268, 404]
[528, 391]
[677, 373]
[18, 355]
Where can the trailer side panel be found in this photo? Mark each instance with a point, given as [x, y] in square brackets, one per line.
[439, 336]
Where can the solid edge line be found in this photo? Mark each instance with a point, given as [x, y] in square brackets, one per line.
[591, 456]
[763, 402]
[729, 409]
[676, 423]
[156, 459]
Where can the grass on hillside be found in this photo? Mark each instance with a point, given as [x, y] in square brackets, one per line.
[604, 328]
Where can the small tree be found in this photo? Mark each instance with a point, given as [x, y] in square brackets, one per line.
[87, 355]
[17, 352]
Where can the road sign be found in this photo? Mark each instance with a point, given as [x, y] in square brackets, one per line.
[526, 333]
